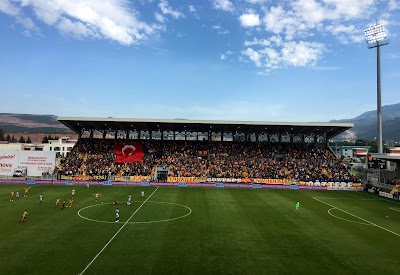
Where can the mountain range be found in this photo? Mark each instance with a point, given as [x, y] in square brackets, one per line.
[364, 124]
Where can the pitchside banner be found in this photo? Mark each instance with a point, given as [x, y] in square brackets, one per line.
[8, 162]
[37, 162]
[333, 184]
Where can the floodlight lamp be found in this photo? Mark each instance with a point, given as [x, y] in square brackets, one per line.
[375, 33]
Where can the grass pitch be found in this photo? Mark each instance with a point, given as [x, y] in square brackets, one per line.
[197, 231]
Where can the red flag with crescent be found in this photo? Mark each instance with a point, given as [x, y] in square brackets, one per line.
[128, 152]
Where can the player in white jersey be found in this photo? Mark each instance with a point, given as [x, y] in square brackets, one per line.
[17, 195]
[129, 199]
[41, 198]
[73, 193]
[117, 215]
[142, 194]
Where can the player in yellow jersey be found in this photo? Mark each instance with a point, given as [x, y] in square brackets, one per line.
[12, 196]
[57, 202]
[26, 191]
[23, 219]
[97, 195]
[70, 202]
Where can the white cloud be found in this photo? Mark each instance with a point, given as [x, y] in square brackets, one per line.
[76, 28]
[300, 18]
[249, 20]
[292, 29]
[255, 41]
[219, 29]
[192, 8]
[8, 8]
[159, 17]
[107, 19]
[301, 53]
[346, 34]
[166, 9]
[225, 55]
[256, 1]
[253, 56]
[393, 5]
[278, 21]
[290, 53]
[225, 5]
[13, 10]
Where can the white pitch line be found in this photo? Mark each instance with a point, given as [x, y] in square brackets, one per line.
[394, 209]
[347, 199]
[363, 223]
[117, 232]
[358, 217]
[142, 222]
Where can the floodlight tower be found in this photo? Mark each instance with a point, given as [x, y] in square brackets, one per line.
[376, 37]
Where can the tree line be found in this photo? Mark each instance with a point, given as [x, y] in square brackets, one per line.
[13, 139]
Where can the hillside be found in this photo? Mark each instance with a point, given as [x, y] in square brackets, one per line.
[365, 125]
[26, 123]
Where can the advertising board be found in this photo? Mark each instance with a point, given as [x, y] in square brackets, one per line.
[37, 162]
[8, 162]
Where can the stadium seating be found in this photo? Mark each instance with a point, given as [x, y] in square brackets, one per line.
[294, 161]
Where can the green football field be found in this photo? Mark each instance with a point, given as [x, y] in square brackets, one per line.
[198, 231]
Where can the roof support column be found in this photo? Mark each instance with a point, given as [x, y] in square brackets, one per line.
[162, 135]
[280, 138]
[257, 137]
[291, 138]
[174, 135]
[315, 139]
[138, 135]
[127, 134]
[116, 135]
[222, 136]
[91, 134]
[80, 134]
[151, 134]
[104, 134]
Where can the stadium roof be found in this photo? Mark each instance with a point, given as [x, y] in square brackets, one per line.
[77, 124]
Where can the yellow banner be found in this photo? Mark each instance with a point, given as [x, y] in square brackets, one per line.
[139, 178]
[183, 179]
[270, 181]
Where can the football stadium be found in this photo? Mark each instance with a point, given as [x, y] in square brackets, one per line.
[140, 196]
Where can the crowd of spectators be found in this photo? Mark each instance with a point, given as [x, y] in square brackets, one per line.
[208, 159]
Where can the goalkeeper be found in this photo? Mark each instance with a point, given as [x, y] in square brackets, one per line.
[297, 206]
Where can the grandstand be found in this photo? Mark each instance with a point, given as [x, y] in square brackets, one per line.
[203, 151]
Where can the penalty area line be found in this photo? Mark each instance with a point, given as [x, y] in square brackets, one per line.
[374, 224]
[119, 230]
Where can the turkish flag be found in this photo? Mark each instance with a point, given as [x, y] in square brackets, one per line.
[128, 152]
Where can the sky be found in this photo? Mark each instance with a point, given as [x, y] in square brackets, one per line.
[248, 60]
